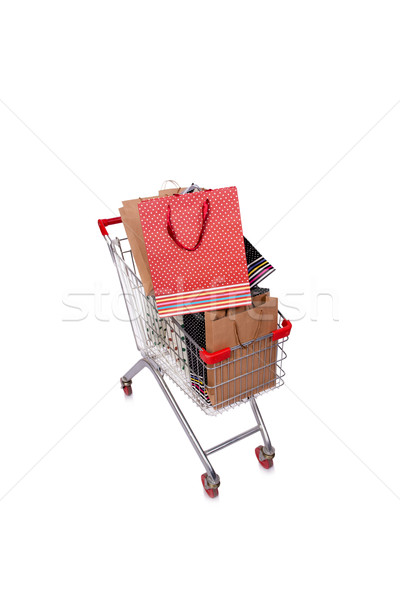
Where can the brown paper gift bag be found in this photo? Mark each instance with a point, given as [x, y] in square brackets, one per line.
[130, 218]
[256, 301]
[251, 367]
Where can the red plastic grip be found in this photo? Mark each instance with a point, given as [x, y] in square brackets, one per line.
[283, 331]
[104, 223]
[210, 358]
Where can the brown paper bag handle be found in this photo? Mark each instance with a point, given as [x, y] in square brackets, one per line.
[255, 334]
[174, 183]
[205, 212]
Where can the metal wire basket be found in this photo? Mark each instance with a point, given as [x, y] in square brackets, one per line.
[165, 341]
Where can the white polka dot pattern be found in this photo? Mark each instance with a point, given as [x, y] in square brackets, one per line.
[212, 276]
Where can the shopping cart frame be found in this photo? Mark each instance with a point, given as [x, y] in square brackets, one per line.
[156, 363]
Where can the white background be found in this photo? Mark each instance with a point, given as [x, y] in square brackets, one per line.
[102, 101]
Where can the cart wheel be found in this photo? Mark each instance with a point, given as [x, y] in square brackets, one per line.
[127, 387]
[211, 491]
[267, 463]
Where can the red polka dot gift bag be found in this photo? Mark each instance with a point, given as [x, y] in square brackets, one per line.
[196, 251]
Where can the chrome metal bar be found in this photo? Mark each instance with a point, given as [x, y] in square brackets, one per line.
[269, 449]
[233, 440]
[152, 366]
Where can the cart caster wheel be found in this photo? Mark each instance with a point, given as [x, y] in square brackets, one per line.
[212, 492]
[127, 387]
[265, 461]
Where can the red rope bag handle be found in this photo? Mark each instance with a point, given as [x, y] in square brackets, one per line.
[205, 213]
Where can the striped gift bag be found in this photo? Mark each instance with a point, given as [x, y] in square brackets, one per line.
[188, 239]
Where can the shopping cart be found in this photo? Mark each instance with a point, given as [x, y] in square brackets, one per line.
[168, 349]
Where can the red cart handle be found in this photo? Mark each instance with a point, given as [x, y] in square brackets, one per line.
[283, 331]
[210, 358]
[103, 223]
